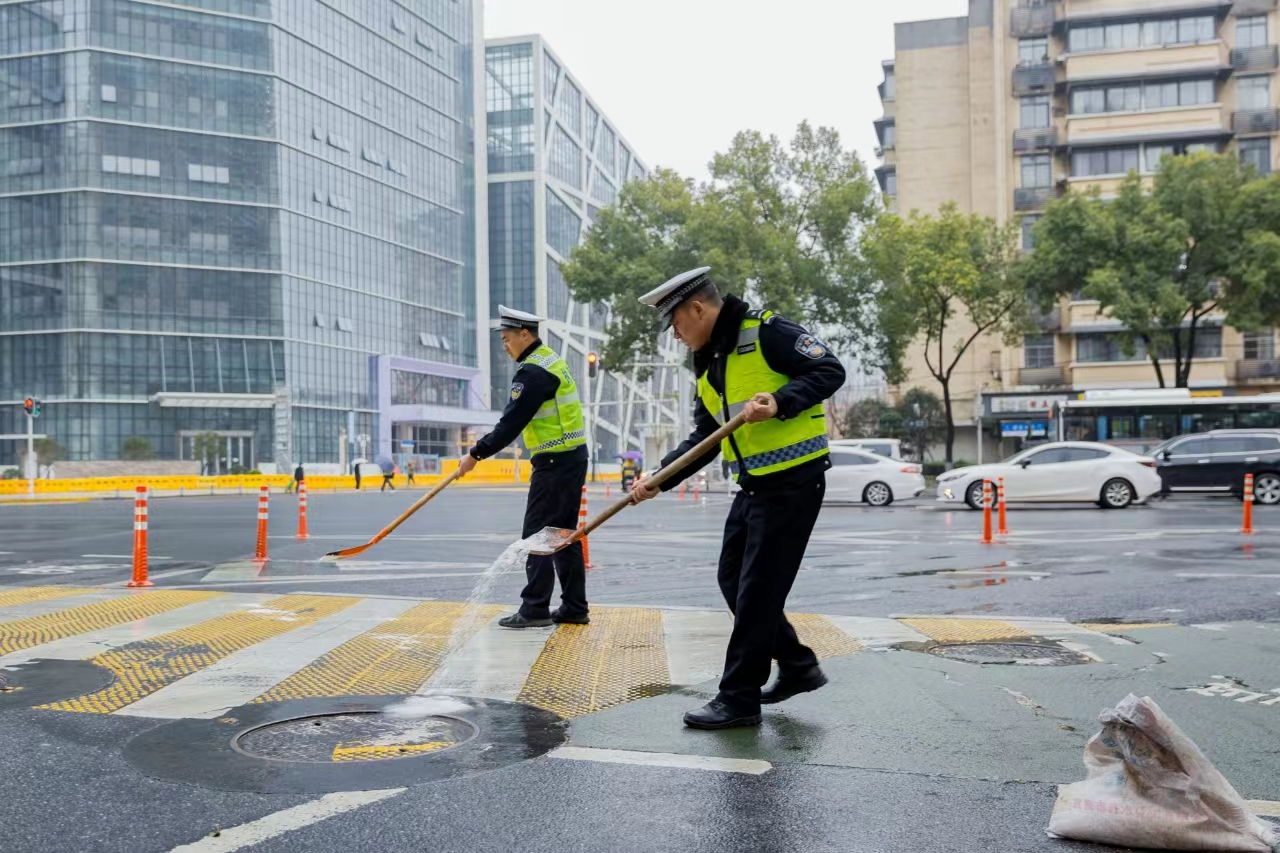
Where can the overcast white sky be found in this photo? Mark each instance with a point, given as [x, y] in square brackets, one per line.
[680, 77]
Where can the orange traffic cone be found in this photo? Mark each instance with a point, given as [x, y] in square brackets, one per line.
[1004, 521]
[582, 523]
[302, 509]
[140, 539]
[260, 553]
[986, 512]
[1247, 527]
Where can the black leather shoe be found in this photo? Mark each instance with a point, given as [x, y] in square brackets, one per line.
[517, 620]
[559, 619]
[717, 715]
[788, 685]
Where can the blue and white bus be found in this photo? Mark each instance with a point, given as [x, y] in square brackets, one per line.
[1139, 420]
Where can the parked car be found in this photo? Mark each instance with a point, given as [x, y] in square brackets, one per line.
[890, 448]
[1218, 461]
[860, 476]
[1059, 472]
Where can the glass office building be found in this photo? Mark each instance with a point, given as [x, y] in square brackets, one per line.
[554, 160]
[257, 218]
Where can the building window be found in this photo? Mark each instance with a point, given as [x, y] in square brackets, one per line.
[1251, 31]
[1133, 34]
[1098, 347]
[1258, 153]
[890, 135]
[208, 174]
[1260, 346]
[109, 94]
[1037, 171]
[138, 166]
[1037, 351]
[1151, 96]
[891, 183]
[1254, 93]
[1033, 51]
[1028, 232]
[1034, 112]
[890, 86]
[1104, 161]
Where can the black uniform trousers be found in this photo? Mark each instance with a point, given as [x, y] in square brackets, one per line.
[765, 537]
[555, 492]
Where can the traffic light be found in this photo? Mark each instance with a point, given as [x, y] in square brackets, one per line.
[32, 406]
[593, 364]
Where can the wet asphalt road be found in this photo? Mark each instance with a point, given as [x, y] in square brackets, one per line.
[903, 752]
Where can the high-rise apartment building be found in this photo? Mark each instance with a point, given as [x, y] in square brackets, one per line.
[1004, 109]
[257, 218]
[555, 159]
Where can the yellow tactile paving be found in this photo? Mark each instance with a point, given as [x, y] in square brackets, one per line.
[618, 658]
[24, 633]
[819, 634]
[965, 630]
[28, 594]
[1109, 628]
[380, 753]
[144, 667]
[396, 657]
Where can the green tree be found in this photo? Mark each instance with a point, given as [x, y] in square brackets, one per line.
[776, 223]
[48, 451]
[870, 418]
[924, 420]
[945, 280]
[207, 446]
[137, 449]
[1201, 242]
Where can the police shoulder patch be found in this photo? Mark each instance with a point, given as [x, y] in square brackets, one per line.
[810, 346]
[517, 388]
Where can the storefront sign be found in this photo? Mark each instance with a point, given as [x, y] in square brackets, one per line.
[1042, 404]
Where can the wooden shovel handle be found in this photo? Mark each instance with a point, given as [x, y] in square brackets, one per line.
[697, 452]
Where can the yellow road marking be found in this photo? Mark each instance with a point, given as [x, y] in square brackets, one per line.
[37, 630]
[28, 594]
[1107, 628]
[819, 634]
[965, 630]
[377, 753]
[396, 657]
[144, 667]
[618, 658]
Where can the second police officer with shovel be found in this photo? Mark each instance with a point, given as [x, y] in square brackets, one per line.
[779, 375]
[544, 409]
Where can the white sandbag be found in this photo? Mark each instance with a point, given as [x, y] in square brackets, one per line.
[1149, 786]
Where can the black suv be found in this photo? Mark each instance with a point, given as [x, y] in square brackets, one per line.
[1217, 462]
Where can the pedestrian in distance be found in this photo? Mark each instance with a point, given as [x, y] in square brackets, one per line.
[389, 472]
[356, 466]
[543, 408]
[408, 473]
[298, 477]
[779, 375]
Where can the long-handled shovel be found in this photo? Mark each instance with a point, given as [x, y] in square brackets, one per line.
[386, 531]
[549, 540]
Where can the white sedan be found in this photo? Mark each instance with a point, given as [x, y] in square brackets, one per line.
[861, 476]
[1059, 472]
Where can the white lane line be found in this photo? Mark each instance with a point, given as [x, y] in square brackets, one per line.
[1070, 635]
[493, 664]
[279, 823]
[156, 576]
[695, 644]
[53, 605]
[285, 579]
[877, 633]
[123, 557]
[749, 766]
[85, 646]
[1222, 575]
[238, 678]
[241, 571]
[1266, 808]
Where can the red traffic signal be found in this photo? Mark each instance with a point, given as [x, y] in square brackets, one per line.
[31, 406]
[593, 364]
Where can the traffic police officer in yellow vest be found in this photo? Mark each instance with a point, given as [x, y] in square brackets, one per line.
[543, 408]
[779, 374]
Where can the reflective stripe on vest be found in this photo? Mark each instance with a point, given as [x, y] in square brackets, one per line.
[773, 445]
[558, 424]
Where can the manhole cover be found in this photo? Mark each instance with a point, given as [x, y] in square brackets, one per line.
[368, 736]
[1024, 654]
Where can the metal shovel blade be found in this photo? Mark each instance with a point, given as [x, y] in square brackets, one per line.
[548, 540]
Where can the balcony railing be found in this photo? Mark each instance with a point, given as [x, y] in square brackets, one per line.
[1253, 7]
[1256, 58]
[1034, 78]
[1265, 368]
[1032, 198]
[1033, 18]
[1255, 121]
[1045, 377]
[1034, 139]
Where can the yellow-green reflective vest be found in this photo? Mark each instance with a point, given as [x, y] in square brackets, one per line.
[558, 425]
[773, 445]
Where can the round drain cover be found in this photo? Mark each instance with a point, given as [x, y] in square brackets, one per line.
[367, 736]
[1025, 654]
[37, 682]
